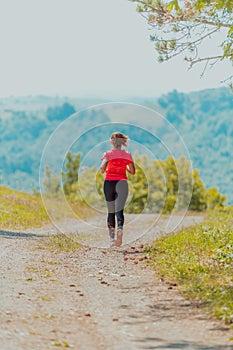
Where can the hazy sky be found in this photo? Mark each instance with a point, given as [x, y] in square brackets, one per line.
[87, 48]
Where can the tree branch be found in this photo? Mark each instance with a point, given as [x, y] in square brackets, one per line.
[192, 62]
[160, 11]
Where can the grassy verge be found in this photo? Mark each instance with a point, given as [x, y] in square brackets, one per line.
[20, 210]
[200, 261]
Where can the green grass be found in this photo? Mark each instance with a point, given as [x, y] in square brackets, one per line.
[200, 261]
[20, 210]
[60, 243]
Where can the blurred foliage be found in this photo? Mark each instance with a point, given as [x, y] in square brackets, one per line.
[163, 186]
[157, 186]
[51, 183]
[200, 260]
[70, 176]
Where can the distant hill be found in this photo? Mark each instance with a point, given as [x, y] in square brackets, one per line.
[204, 119]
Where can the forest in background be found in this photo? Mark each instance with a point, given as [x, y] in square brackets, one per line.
[203, 119]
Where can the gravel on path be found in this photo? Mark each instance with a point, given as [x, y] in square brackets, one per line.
[96, 297]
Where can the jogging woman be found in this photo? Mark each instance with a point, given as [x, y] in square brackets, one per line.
[115, 163]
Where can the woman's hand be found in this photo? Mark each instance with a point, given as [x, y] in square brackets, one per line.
[131, 168]
[103, 165]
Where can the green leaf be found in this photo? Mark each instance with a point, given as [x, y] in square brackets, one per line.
[170, 6]
[173, 5]
[200, 4]
[230, 31]
[177, 7]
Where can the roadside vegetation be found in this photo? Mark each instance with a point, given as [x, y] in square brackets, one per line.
[200, 261]
[60, 243]
[20, 210]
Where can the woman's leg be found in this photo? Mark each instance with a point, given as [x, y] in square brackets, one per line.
[110, 196]
[122, 191]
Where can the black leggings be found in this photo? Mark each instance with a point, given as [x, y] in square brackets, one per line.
[116, 193]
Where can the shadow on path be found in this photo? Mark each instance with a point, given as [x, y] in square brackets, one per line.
[181, 345]
[11, 234]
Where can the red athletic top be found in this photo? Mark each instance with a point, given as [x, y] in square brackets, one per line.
[117, 162]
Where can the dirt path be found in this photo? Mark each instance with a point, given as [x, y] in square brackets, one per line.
[95, 298]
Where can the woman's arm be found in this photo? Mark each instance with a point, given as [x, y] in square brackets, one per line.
[103, 165]
[131, 168]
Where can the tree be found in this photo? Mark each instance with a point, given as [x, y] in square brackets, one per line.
[60, 112]
[180, 27]
[215, 199]
[51, 183]
[70, 176]
[199, 195]
[138, 186]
